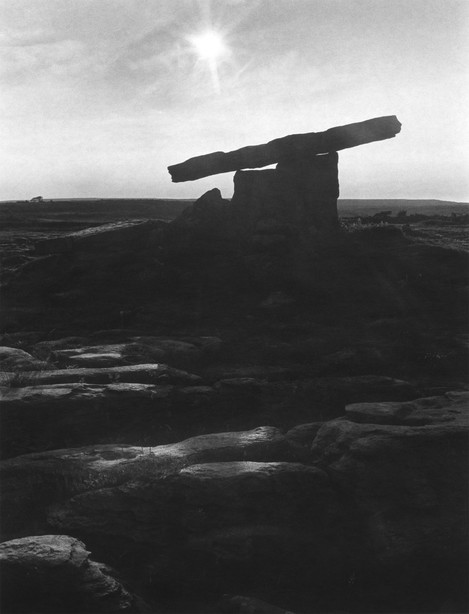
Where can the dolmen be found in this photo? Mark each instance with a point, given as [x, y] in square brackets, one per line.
[302, 190]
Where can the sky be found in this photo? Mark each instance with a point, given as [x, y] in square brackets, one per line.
[98, 97]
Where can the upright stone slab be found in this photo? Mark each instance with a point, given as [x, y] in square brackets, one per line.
[299, 192]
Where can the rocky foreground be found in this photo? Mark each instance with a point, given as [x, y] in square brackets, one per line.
[197, 422]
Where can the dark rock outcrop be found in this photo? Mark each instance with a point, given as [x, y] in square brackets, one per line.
[409, 487]
[53, 573]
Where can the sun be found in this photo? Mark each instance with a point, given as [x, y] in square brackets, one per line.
[211, 49]
[209, 45]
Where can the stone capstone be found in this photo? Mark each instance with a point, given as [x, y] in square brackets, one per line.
[293, 146]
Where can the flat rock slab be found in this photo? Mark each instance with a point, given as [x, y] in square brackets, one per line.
[453, 407]
[197, 499]
[34, 481]
[78, 393]
[135, 374]
[128, 353]
[156, 404]
[121, 347]
[44, 417]
[223, 523]
[53, 573]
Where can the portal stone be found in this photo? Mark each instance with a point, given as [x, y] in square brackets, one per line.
[300, 193]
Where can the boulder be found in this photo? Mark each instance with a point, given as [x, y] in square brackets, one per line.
[54, 573]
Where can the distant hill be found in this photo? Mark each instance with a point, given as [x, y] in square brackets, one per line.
[367, 207]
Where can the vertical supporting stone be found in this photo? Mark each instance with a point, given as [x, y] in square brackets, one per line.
[301, 193]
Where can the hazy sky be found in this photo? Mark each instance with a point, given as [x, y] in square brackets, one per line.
[98, 97]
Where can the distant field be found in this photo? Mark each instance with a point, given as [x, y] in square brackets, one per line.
[23, 222]
[78, 213]
[87, 211]
[367, 207]
[82, 212]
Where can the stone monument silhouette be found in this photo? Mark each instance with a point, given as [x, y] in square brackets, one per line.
[303, 189]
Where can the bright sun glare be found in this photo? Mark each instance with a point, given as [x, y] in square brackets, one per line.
[209, 45]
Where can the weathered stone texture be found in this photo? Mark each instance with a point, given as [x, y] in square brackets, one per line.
[53, 573]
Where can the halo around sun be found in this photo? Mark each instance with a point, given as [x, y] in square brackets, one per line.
[211, 49]
[209, 45]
